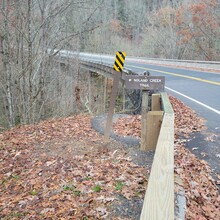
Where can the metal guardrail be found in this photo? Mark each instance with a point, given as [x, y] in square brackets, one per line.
[104, 69]
[202, 65]
[97, 67]
[180, 61]
[210, 65]
[67, 53]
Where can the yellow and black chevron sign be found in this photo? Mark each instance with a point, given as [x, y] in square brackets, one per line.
[119, 61]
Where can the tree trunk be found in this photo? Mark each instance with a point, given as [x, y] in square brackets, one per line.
[5, 47]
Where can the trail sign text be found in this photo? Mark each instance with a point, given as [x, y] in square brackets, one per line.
[145, 82]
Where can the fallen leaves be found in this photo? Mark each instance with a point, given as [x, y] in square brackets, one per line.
[55, 129]
[55, 170]
[200, 189]
[60, 169]
[186, 120]
[128, 126]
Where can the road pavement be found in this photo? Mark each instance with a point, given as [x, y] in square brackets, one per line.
[201, 92]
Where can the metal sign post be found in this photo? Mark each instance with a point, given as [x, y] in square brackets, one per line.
[118, 67]
[114, 92]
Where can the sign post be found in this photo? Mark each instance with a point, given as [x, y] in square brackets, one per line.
[114, 92]
[118, 67]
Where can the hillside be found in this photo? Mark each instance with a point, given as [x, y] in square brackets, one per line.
[61, 168]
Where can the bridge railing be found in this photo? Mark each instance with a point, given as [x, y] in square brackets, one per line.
[210, 65]
[103, 69]
[206, 65]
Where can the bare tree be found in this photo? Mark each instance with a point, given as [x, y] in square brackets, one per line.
[7, 82]
[34, 85]
[29, 29]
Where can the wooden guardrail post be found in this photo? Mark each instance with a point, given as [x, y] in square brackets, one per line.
[154, 120]
[159, 197]
[150, 122]
[144, 122]
[155, 102]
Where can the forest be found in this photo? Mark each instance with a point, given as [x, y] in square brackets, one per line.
[33, 85]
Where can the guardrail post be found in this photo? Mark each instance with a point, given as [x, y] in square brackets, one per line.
[155, 103]
[144, 112]
[154, 121]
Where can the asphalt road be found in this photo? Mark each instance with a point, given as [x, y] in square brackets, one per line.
[198, 90]
[201, 92]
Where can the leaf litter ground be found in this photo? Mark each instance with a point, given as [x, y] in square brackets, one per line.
[61, 169]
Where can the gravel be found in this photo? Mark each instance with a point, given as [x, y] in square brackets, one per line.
[98, 123]
[129, 209]
[141, 158]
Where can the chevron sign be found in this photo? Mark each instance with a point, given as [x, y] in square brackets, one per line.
[119, 61]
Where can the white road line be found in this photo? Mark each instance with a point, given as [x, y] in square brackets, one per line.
[194, 100]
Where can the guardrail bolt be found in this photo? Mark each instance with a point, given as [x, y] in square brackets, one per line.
[146, 73]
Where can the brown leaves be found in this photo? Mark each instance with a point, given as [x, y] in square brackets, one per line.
[200, 189]
[186, 120]
[76, 126]
[129, 126]
[55, 170]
